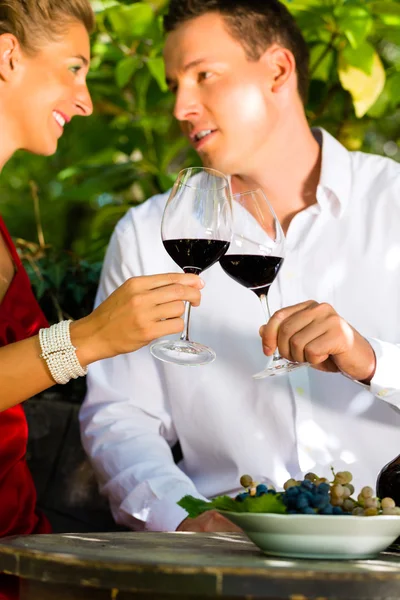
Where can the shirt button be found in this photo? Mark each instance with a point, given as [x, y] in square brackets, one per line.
[383, 393]
[300, 391]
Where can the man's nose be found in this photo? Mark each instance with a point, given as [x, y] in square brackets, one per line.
[186, 104]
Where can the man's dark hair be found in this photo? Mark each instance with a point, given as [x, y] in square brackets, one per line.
[257, 24]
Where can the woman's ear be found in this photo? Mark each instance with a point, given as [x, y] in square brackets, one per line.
[10, 53]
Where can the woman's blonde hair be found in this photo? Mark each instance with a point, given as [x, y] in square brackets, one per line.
[33, 22]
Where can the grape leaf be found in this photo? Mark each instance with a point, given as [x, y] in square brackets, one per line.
[268, 503]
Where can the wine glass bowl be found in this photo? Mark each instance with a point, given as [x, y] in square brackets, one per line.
[196, 230]
[255, 256]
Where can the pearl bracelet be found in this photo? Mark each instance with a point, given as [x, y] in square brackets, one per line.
[59, 353]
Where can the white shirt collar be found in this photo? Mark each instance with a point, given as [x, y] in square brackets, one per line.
[334, 186]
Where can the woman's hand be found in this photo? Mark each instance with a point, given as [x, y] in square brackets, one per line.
[141, 310]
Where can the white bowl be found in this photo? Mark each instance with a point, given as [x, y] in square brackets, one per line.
[318, 536]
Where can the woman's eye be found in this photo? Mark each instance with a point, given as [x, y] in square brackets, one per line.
[75, 69]
[205, 75]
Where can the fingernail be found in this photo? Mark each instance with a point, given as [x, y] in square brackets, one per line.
[202, 282]
[267, 350]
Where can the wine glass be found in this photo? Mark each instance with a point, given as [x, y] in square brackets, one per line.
[196, 230]
[254, 258]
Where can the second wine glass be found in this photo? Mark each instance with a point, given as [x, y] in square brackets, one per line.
[196, 230]
[254, 258]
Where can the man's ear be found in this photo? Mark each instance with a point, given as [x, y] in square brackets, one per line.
[10, 54]
[281, 66]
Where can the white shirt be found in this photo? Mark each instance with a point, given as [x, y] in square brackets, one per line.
[344, 250]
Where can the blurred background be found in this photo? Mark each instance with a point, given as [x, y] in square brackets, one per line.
[61, 211]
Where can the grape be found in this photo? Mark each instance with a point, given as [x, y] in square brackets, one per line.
[242, 496]
[370, 512]
[371, 503]
[337, 510]
[349, 504]
[324, 487]
[346, 492]
[317, 496]
[261, 489]
[367, 492]
[358, 511]
[289, 483]
[337, 491]
[335, 501]
[246, 481]
[389, 510]
[388, 503]
[343, 477]
[321, 480]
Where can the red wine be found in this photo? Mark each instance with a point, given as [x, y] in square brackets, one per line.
[252, 271]
[195, 255]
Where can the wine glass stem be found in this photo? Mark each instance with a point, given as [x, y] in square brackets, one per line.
[267, 312]
[185, 333]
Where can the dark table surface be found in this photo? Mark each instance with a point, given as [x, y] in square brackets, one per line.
[121, 566]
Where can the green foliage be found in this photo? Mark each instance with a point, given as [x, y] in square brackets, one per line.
[268, 503]
[132, 148]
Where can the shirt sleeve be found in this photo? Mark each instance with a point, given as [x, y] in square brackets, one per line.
[385, 383]
[126, 422]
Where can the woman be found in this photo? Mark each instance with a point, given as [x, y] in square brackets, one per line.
[44, 59]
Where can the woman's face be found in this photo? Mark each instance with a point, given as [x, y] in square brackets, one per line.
[44, 91]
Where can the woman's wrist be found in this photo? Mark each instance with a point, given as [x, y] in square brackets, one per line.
[83, 337]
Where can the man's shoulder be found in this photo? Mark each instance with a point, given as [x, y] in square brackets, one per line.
[374, 169]
[149, 212]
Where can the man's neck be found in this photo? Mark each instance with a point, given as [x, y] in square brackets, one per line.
[289, 176]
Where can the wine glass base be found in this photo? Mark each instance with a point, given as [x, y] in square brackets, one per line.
[185, 353]
[279, 366]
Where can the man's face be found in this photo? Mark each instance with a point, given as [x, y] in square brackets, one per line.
[223, 100]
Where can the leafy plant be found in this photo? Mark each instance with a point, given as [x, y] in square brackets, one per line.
[268, 503]
[132, 148]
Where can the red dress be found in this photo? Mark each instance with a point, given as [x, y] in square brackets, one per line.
[20, 318]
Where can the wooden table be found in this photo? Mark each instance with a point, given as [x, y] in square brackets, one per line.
[161, 566]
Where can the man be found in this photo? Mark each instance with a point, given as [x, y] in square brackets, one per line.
[239, 70]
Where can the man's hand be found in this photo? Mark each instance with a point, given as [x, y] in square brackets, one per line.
[207, 522]
[315, 333]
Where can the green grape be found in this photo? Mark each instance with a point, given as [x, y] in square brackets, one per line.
[371, 503]
[337, 491]
[289, 483]
[370, 512]
[246, 481]
[389, 510]
[388, 503]
[311, 477]
[346, 492]
[350, 487]
[321, 480]
[367, 492]
[349, 504]
[343, 477]
[358, 511]
[335, 501]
